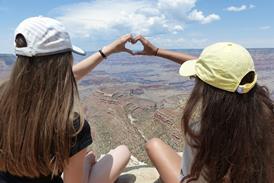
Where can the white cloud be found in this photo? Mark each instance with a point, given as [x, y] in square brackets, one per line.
[109, 18]
[197, 15]
[180, 41]
[169, 42]
[234, 8]
[176, 8]
[240, 8]
[186, 4]
[251, 6]
[265, 27]
[98, 22]
[112, 18]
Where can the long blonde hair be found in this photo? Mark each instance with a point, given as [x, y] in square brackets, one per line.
[38, 105]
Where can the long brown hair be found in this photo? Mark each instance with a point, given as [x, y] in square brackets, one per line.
[37, 112]
[236, 137]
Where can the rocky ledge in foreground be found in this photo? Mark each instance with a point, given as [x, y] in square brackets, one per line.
[138, 172]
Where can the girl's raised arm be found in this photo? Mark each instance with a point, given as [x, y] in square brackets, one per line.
[151, 50]
[87, 65]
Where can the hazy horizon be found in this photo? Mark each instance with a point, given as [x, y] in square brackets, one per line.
[174, 49]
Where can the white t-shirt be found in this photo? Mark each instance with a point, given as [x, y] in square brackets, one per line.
[188, 158]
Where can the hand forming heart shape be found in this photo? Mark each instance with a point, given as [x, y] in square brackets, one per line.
[133, 45]
[141, 46]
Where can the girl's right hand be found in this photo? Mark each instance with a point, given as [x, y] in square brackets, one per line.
[149, 48]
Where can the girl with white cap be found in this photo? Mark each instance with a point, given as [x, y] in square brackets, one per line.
[233, 139]
[43, 132]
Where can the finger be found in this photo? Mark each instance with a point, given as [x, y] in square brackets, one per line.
[129, 51]
[127, 37]
[141, 39]
[137, 38]
[131, 39]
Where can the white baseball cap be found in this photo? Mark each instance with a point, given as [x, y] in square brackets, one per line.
[44, 36]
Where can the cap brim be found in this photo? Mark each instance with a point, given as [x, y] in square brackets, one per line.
[188, 68]
[78, 50]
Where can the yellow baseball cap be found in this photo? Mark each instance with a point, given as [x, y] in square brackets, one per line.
[222, 65]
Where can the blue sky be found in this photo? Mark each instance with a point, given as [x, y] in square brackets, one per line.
[167, 23]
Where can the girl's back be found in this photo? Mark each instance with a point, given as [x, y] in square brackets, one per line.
[41, 124]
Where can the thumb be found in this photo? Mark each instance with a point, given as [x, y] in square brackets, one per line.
[129, 51]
